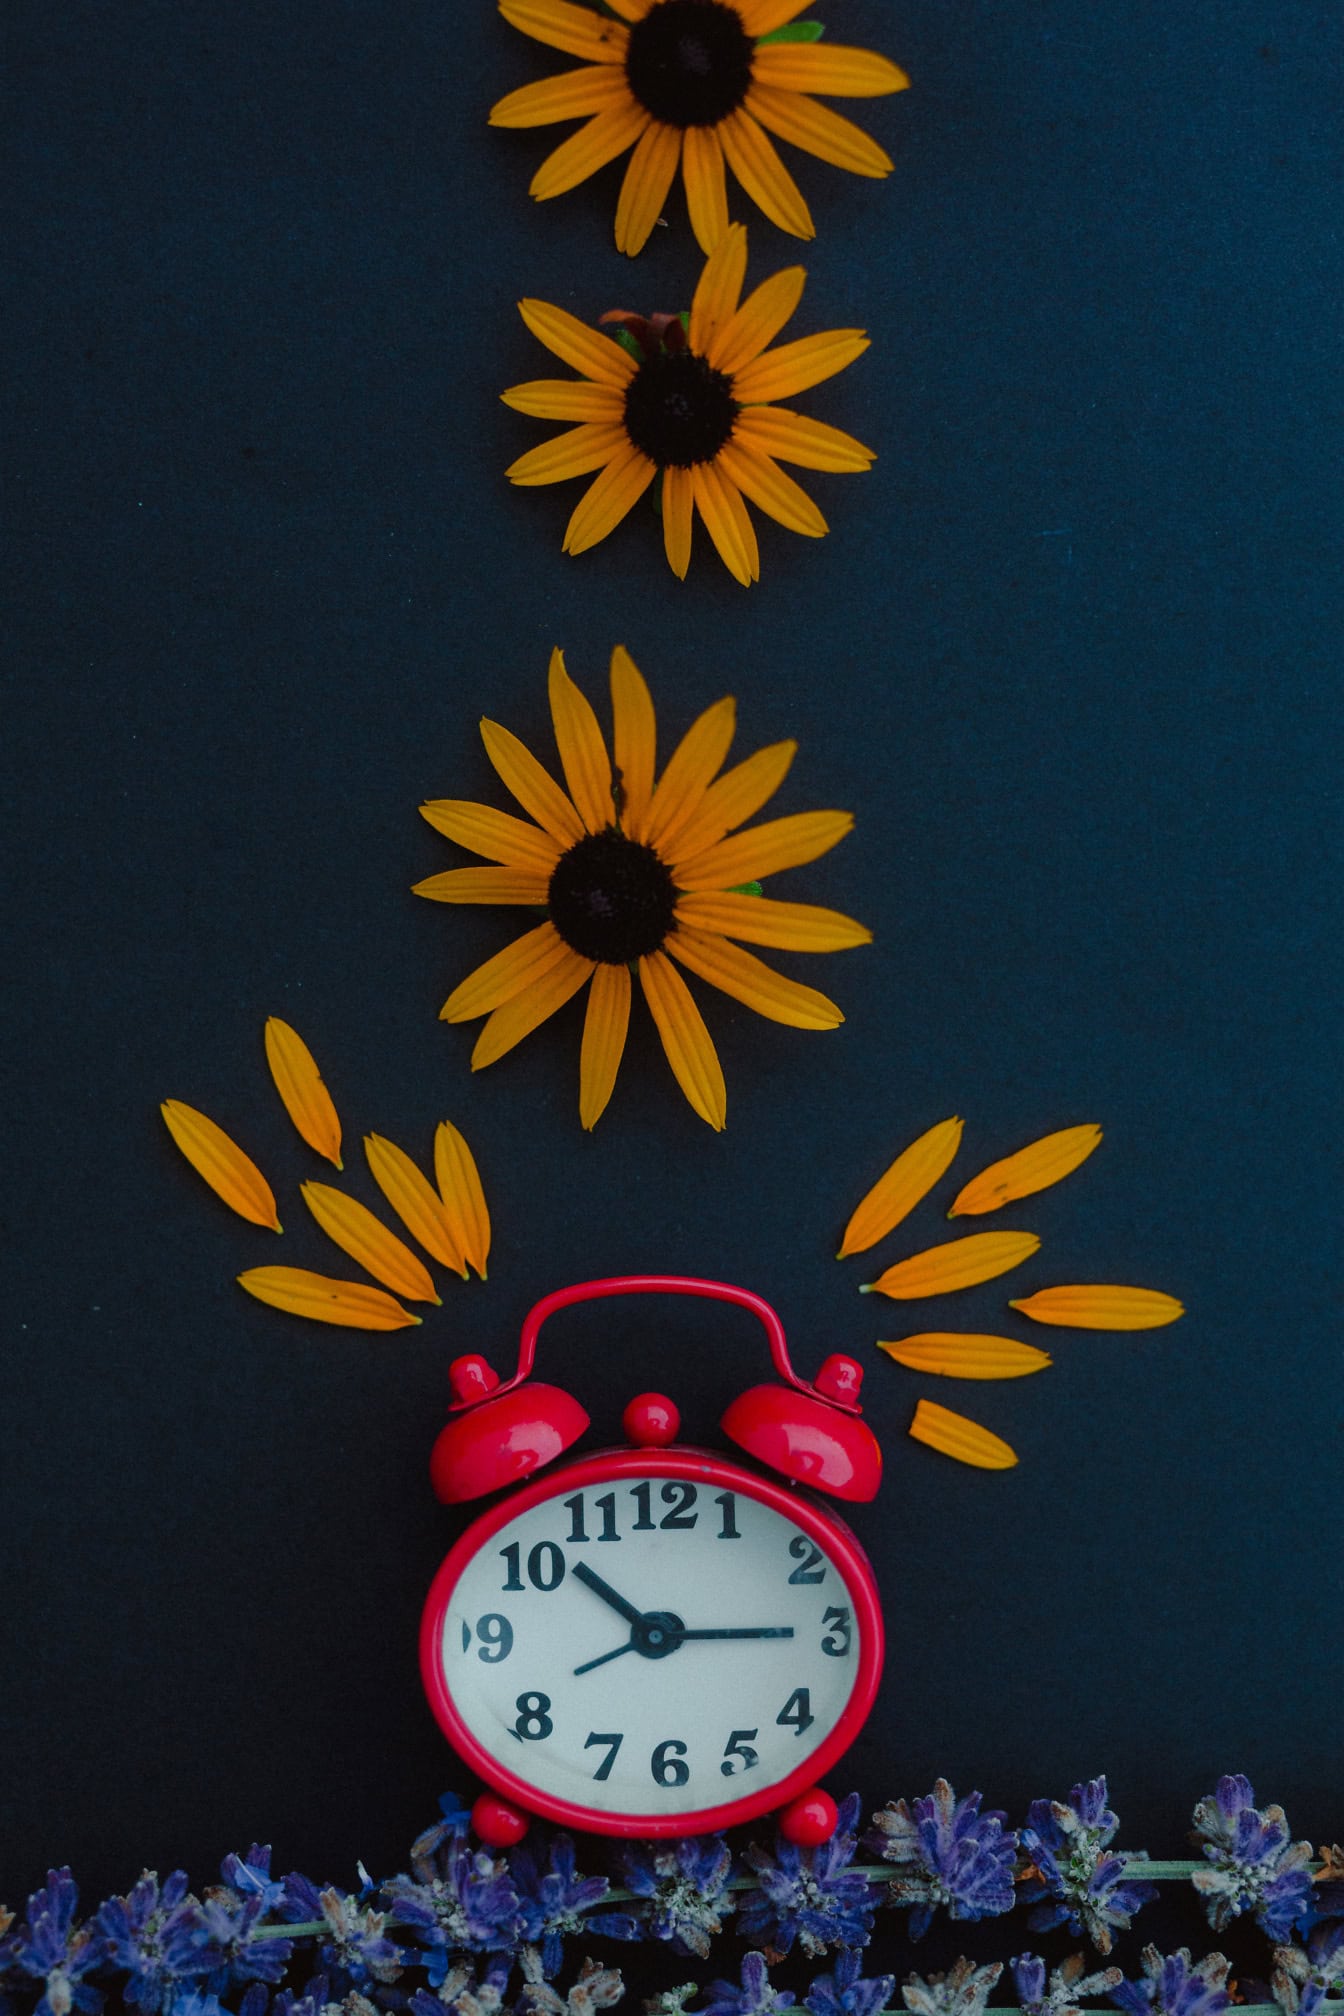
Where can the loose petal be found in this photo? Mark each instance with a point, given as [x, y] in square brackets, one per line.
[1034, 1168]
[962, 1355]
[687, 1043]
[348, 1303]
[765, 850]
[497, 835]
[759, 920]
[1101, 1307]
[368, 1242]
[415, 1200]
[634, 736]
[749, 980]
[299, 1083]
[604, 1032]
[583, 753]
[961, 1263]
[894, 1195]
[528, 960]
[232, 1176]
[953, 1435]
[463, 1198]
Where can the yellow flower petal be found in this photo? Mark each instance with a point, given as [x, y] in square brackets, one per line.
[678, 499]
[577, 345]
[962, 1355]
[565, 399]
[895, 1194]
[961, 1263]
[765, 850]
[737, 795]
[368, 1242]
[528, 960]
[536, 791]
[694, 764]
[232, 1176]
[818, 130]
[827, 68]
[687, 1043]
[577, 30]
[483, 885]
[496, 835]
[604, 1032]
[299, 1083]
[348, 1303]
[750, 154]
[703, 179]
[757, 477]
[1033, 1168]
[633, 736]
[793, 437]
[793, 367]
[718, 288]
[607, 134]
[577, 453]
[463, 1198]
[749, 980]
[719, 503]
[528, 1009]
[647, 181]
[759, 320]
[583, 753]
[611, 496]
[759, 920]
[762, 17]
[572, 94]
[415, 1200]
[953, 1435]
[1101, 1307]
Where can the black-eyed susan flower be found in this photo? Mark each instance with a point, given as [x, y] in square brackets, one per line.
[691, 401]
[695, 84]
[639, 876]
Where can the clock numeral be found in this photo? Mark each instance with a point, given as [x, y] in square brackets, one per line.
[641, 1493]
[496, 1636]
[607, 1507]
[807, 1556]
[667, 1763]
[681, 1497]
[738, 1752]
[797, 1712]
[837, 1647]
[574, 1507]
[545, 1566]
[728, 1530]
[578, 1531]
[613, 1742]
[534, 1723]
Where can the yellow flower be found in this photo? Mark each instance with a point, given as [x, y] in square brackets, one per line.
[690, 400]
[636, 876]
[695, 83]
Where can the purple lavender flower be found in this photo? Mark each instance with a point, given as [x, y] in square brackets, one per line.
[947, 1853]
[1254, 1866]
[250, 1876]
[1302, 1980]
[1172, 1987]
[243, 1948]
[553, 1898]
[463, 1994]
[159, 1936]
[52, 1949]
[962, 1991]
[686, 1884]
[459, 1898]
[1068, 1985]
[810, 1894]
[844, 1992]
[1085, 1889]
[754, 1996]
[196, 2001]
[356, 1949]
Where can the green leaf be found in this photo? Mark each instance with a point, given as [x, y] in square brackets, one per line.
[793, 31]
[685, 320]
[630, 343]
[744, 889]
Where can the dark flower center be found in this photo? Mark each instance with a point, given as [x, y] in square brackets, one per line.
[611, 898]
[689, 61]
[679, 409]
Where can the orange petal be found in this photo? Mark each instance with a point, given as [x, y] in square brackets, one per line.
[961, 1263]
[694, 764]
[348, 1303]
[719, 286]
[483, 885]
[678, 497]
[368, 1242]
[765, 850]
[757, 477]
[762, 17]
[463, 1198]
[749, 980]
[687, 1043]
[1101, 1307]
[706, 194]
[536, 791]
[750, 153]
[232, 1176]
[583, 753]
[604, 1031]
[610, 497]
[962, 1355]
[565, 399]
[527, 1010]
[647, 181]
[793, 437]
[818, 130]
[577, 453]
[719, 503]
[577, 345]
[759, 320]
[794, 367]
[520, 965]
[414, 1199]
[577, 30]
[496, 835]
[1034, 1168]
[299, 1083]
[953, 1435]
[826, 68]
[607, 134]
[759, 920]
[633, 736]
[894, 1195]
[735, 796]
[572, 94]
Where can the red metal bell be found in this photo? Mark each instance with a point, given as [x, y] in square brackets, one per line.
[495, 1441]
[810, 1438]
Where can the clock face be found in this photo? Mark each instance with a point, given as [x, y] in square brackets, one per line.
[649, 1638]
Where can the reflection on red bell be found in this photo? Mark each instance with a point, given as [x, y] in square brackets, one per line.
[808, 1439]
[495, 1442]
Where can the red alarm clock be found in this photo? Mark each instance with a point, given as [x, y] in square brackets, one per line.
[654, 1640]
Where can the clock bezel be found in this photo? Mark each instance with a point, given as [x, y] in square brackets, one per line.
[700, 1466]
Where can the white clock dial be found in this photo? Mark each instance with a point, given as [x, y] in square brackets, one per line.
[650, 1644]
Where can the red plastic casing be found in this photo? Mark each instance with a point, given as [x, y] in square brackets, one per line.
[699, 1466]
[806, 1439]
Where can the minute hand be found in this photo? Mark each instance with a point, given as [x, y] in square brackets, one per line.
[743, 1631]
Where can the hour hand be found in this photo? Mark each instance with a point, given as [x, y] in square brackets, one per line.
[583, 1573]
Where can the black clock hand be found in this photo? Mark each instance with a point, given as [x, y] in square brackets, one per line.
[746, 1631]
[583, 1573]
[628, 1646]
[671, 1638]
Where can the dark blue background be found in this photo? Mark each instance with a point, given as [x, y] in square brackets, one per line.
[1068, 655]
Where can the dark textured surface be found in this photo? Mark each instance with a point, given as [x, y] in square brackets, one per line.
[1068, 655]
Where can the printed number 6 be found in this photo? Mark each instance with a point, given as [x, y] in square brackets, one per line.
[666, 1763]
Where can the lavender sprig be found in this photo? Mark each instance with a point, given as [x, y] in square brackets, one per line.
[947, 1854]
[1254, 1865]
[1083, 1887]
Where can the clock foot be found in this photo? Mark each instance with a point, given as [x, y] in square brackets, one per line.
[497, 1823]
[810, 1819]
